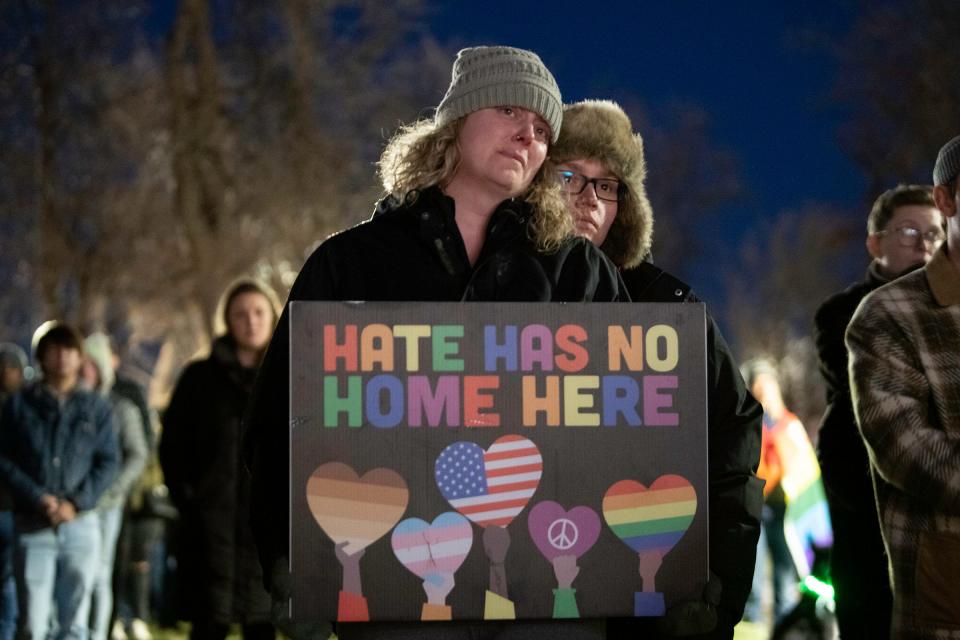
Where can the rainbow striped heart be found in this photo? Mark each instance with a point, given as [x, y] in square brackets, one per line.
[651, 519]
[490, 487]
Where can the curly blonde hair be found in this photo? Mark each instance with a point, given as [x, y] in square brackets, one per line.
[424, 154]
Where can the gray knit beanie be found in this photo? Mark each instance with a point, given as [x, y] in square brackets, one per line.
[498, 77]
[948, 163]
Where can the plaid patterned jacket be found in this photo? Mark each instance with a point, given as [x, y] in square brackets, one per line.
[904, 343]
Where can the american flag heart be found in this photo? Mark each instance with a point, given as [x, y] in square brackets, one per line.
[490, 487]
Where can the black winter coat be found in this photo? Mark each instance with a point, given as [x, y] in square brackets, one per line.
[200, 452]
[844, 465]
[407, 252]
[858, 561]
[733, 453]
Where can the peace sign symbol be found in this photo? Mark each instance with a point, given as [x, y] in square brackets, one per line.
[563, 534]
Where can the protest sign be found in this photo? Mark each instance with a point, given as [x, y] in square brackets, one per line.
[496, 461]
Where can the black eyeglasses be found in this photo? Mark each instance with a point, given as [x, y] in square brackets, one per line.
[908, 236]
[606, 188]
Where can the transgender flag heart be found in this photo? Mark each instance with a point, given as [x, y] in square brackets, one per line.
[435, 548]
[490, 487]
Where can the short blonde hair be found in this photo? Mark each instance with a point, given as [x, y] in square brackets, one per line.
[424, 154]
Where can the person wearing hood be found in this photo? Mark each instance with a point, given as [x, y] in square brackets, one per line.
[219, 574]
[13, 361]
[904, 229]
[97, 373]
[600, 163]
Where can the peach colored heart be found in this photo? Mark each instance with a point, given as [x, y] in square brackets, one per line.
[354, 510]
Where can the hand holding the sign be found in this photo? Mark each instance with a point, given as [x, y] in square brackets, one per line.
[280, 592]
[566, 570]
[694, 617]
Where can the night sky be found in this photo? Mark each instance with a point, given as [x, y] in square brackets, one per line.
[748, 65]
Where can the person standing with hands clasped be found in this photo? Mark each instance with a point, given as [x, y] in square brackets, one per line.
[58, 454]
[904, 364]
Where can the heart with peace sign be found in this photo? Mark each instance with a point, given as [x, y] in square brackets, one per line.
[558, 532]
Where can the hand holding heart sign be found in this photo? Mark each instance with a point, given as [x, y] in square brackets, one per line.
[355, 512]
[650, 521]
[433, 551]
[491, 487]
[562, 537]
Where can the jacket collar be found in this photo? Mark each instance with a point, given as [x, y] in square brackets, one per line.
[943, 278]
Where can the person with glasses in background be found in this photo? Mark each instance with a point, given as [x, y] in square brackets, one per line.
[600, 164]
[904, 229]
[904, 359]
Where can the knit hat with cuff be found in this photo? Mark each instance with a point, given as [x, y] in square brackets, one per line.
[498, 77]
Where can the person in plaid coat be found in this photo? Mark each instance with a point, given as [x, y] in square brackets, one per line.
[904, 343]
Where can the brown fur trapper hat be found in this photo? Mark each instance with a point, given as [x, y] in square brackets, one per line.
[600, 129]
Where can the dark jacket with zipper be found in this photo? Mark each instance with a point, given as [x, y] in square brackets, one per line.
[412, 251]
[733, 452]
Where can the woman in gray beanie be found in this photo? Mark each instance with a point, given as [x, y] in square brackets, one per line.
[469, 213]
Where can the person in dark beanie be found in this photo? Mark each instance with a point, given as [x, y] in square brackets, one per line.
[218, 571]
[599, 161]
[469, 213]
[904, 229]
[904, 359]
[58, 454]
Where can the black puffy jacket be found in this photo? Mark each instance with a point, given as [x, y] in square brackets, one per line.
[406, 252]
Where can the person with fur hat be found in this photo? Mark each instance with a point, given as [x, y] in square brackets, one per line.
[470, 213]
[600, 163]
[904, 359]
[58, 454]
[98, 374]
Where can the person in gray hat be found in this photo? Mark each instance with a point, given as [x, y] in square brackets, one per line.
[469, 213]
[904, 359]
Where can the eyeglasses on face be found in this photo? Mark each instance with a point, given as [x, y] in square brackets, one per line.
[606, 188]
[909, 236]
